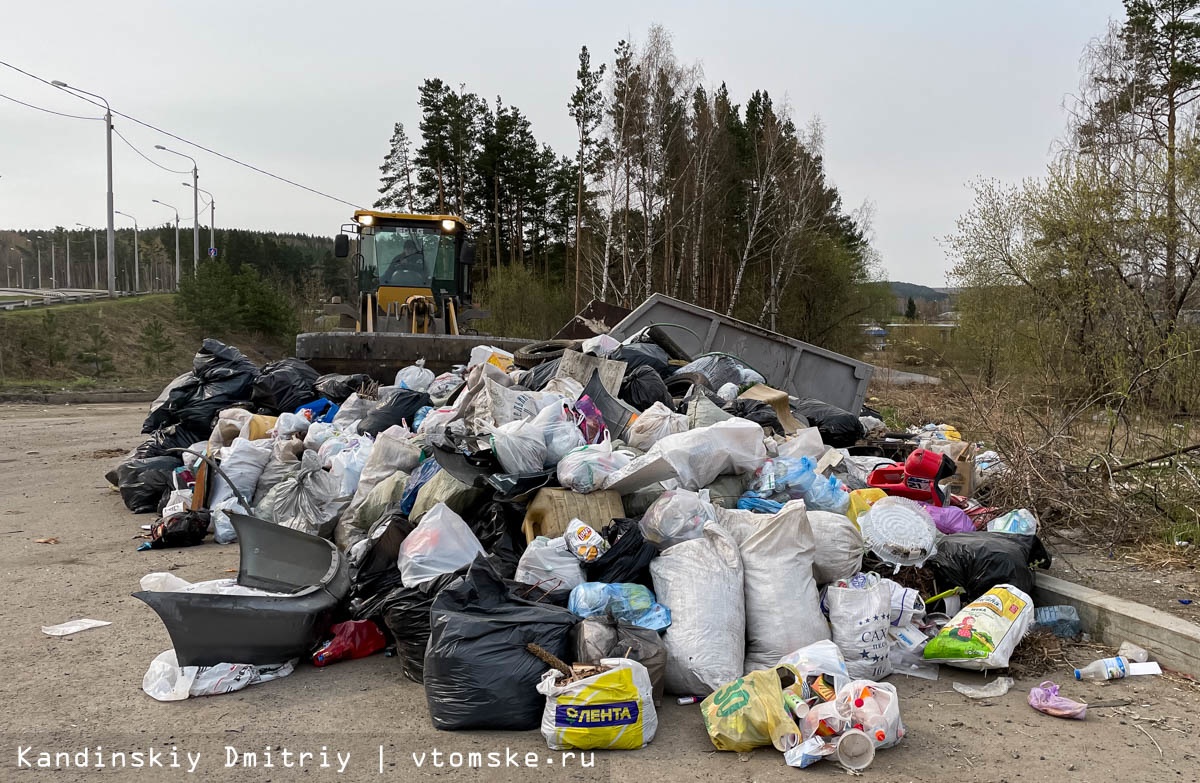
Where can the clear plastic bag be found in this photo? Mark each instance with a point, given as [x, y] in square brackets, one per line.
[678, 515]
[441, 544]
[699, 456]
[520, 446]
[548, 563]
[288, 424]
[628, 603]
[585, 469]
[560, 433]
[657, 422]
[415, 377]
[347, 466]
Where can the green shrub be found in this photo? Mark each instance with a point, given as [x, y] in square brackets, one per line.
[221, 302]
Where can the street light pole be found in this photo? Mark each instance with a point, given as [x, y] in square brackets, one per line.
[39, 251]
[68, 237]
[195, 206]
[212, 217]
[176, 211]
[112, 237]
[136, 274]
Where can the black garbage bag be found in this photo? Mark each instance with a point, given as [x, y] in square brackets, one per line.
[401, 407]
[144, 482]
[757, 411]
[637, 355]
[221, 377]
[406, 615]
[599, 637]
[498, 527]
[979, 561]
[284, 386]
[719, 370]
[187, 529]
[378, 571]
[643, 387]
[337, 387]
[174, 436]
[839, 429]
[478, 674]
[537, 378]
[627, 559]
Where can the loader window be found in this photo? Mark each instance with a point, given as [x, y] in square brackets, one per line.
[405, 256]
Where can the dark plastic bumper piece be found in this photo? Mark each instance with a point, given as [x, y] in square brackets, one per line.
[208, 629]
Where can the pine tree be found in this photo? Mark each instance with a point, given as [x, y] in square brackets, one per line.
[396, 182]
[910, 312]
[587, 109]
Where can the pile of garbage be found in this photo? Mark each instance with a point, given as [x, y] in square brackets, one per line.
[556, 546]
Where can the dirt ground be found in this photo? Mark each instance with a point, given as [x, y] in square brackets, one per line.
[65, 695]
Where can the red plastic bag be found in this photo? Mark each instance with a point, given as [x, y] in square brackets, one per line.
[351, 639]
[1045, 698]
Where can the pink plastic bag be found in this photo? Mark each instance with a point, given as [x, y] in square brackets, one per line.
[591, 422]
[1045, 698]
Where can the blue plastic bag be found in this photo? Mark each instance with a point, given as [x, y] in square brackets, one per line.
[759, 505]
[418, 479]
[627, 603]
[323, 410]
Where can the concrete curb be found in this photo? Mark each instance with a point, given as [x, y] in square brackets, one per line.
[78, 398]
[1172, 641]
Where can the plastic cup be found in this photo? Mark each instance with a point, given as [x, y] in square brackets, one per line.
[855, 750]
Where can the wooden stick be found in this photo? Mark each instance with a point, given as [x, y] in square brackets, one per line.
[549, 658]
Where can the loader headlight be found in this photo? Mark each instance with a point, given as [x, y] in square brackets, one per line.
[367, 220]
[448, 226]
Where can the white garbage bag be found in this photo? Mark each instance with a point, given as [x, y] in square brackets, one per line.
[243, 463]
[860, 611]
[550, 564]
[701, 582]
[655, 423]
[416, 377]
[699, 456]
[839, 546]
[442, 543]
[783, 607]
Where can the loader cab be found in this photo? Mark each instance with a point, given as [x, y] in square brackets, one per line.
[399, 256]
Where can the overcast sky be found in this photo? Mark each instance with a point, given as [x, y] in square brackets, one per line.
[917, 98]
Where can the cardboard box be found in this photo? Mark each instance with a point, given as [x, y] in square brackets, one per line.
[963, 480]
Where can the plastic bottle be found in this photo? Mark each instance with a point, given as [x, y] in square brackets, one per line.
[1104, 669]
[870, 715]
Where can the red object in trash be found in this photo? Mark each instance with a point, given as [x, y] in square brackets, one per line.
[917, 479]
[351, 639]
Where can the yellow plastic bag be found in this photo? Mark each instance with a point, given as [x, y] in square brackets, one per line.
[861, 500]
[613, 710]
[749, 712]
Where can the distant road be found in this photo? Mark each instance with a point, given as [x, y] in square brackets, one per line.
[21, 298]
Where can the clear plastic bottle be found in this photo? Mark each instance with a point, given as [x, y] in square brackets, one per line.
[1104, 669]
[869, 715]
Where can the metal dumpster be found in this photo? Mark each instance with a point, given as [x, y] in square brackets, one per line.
[796, 367]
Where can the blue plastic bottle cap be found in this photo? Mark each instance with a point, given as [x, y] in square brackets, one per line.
[1078, 675]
